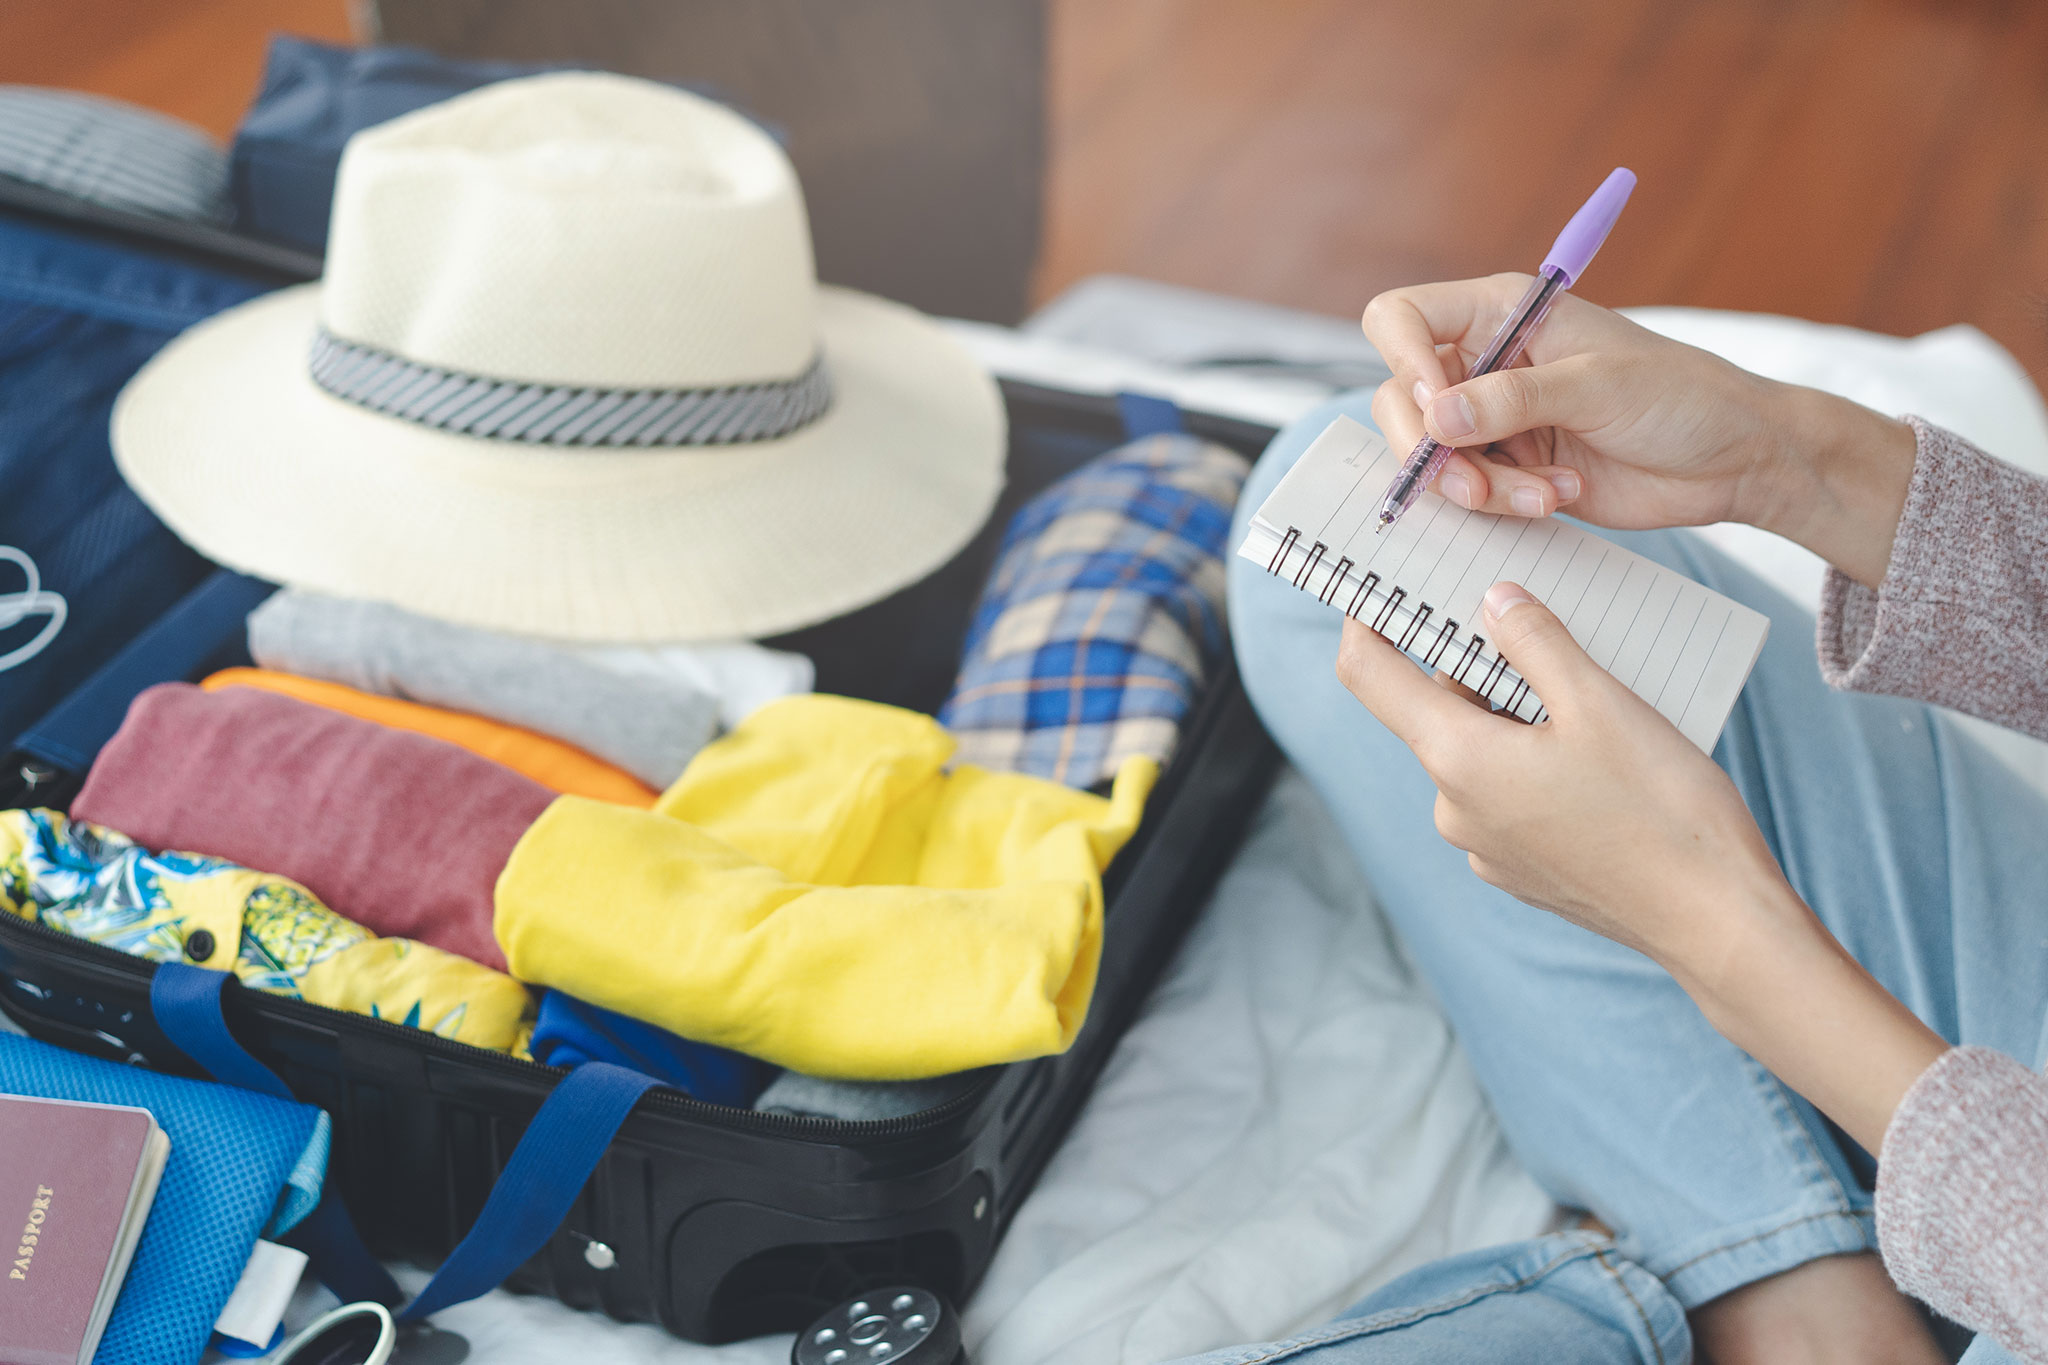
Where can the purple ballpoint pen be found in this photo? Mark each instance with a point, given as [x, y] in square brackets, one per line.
[1569, 256]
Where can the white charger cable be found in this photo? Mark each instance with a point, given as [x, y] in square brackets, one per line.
[31, 600]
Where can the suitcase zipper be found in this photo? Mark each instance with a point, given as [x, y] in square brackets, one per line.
[660, 1100]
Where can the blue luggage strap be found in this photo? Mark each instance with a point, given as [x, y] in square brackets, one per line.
[194, 633]
[547, 1170]
[1143, 415]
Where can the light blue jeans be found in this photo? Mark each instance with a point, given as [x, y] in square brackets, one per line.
[1924, 855]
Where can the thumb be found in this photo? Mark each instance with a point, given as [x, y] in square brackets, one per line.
[1529, 635]
[1566, 393]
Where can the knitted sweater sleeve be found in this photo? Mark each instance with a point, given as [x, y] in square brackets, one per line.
[1961, 618]
[1962, 1197]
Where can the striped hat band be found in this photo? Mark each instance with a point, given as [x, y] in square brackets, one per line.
[557, 415]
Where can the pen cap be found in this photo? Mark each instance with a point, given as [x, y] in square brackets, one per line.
[1575, 247]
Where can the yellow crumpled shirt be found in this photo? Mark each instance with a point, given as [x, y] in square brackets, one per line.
[816, 890]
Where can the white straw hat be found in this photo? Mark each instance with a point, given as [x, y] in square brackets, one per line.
[569, 373]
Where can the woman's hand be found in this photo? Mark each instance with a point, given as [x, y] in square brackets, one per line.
[1631, 429]
[1606, 815]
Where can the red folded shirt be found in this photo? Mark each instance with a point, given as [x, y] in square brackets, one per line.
[403, 834]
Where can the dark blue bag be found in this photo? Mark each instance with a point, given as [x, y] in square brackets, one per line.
[86, 565]
[313, 98]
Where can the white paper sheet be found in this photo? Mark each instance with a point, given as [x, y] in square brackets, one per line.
[1681, 647]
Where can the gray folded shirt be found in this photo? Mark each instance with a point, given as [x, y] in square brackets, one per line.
[854, 1101]
[643, 720]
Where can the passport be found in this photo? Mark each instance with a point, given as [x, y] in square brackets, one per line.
[76, 1183]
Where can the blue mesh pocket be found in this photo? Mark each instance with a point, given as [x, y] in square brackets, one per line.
[241, 1164]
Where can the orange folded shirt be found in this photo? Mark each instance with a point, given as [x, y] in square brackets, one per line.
[548, 761]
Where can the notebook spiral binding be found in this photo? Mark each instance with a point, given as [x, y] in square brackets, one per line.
[1495, 675]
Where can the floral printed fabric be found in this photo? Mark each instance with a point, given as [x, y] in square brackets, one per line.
[97, 884]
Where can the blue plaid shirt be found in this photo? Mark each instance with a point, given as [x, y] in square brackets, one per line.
[1102, 616]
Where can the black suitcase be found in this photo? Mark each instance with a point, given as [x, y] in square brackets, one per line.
[716, 1223]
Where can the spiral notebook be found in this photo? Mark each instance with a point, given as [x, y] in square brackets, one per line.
[1681, 647]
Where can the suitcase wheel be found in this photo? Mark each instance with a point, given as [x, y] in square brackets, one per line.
[899, 1325]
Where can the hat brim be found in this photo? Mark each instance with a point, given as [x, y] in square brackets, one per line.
[227, 437]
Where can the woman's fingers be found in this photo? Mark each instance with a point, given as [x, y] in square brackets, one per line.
[1419, 332]
[1398, 411]
[1426, 332]
[1454, 365]
[1574, 393]
[1503, 406]
[1530, 636]
[1407, 338]
[1422, 715]
[1469, 478]
[1463, 482]
[1511, 490]
[1458, 689]
[1397, 415]
[1407, 325]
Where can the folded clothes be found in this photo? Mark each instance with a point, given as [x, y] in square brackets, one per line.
[111, 152]
[1102, 616]
[97, 884]
[857, 1101]
[648, 728]
[557, 766]
[815, 891]
[403, 834]
[741, 675]
[570, 1032]
[647, 709]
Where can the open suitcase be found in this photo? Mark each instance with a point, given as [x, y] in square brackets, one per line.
[716, 1223]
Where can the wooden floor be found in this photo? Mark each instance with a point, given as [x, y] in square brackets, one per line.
[1876, 162]
[197, 59]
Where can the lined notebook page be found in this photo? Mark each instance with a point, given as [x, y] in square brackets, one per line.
[1682, 647]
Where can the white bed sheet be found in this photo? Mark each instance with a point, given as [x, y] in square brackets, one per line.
[1290, 1124]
